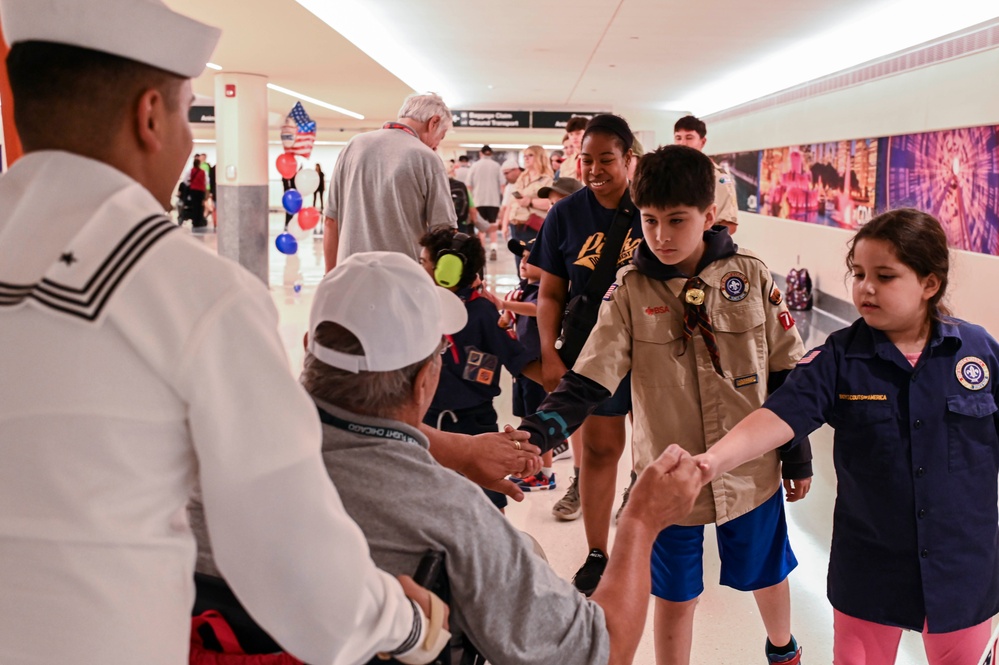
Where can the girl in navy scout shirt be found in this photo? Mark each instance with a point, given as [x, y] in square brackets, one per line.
[911, 393]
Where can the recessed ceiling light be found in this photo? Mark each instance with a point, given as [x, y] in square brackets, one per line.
[304, 98]
[317, 102]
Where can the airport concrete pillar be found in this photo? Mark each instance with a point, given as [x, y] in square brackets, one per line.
[241, 170]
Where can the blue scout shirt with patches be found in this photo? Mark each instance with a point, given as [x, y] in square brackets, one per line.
[527, 326]
[471, 367]
[916, 452]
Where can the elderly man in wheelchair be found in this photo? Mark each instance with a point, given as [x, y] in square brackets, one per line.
[377, 330]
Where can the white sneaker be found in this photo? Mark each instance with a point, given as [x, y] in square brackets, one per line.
[561, 451]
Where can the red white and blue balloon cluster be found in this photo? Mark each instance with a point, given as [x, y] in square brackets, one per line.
[298, 135]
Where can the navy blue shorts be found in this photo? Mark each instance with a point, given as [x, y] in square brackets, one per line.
[527, 397]
[754, 550]
[618, 404]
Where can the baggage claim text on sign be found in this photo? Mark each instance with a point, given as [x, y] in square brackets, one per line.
[516, 119]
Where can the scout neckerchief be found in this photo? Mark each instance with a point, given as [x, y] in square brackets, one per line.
[376, 431]
[400, 126]
[695, 315]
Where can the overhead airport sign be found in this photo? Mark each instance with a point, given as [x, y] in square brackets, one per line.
[493, 119]
[557, 119]
[517, 119]
[201, 114]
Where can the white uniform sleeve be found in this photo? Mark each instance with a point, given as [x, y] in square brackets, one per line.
[280, 534]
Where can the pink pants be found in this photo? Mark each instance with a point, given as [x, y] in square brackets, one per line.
[859, 642]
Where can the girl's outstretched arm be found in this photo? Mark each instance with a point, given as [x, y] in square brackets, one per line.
[759, 432]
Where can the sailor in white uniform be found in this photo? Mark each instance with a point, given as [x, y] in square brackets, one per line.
[134, 363]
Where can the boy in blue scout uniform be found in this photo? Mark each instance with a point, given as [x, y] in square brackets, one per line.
[520, 318]
[470, 372]
[911, 393]
[706, 335]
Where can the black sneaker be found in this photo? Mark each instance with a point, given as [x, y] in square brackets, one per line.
[588, 577]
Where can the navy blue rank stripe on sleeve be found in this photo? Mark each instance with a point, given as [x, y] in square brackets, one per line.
[564, 410]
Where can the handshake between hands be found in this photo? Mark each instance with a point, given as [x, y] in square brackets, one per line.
[664, 493]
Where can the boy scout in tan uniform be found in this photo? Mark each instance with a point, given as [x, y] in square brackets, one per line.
[725, 201]
[679, 396]
[692, 132]
[706, 335]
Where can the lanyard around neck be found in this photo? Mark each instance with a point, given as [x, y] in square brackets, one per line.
[399, 125]
[376, 431]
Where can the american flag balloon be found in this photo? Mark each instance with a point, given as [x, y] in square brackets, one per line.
[305, 132]
[288, 131]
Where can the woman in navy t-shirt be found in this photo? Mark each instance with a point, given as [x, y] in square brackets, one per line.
[567, 250]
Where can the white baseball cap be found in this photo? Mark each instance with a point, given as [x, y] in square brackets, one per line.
[391, 305]
[146, 31]
[509, 165]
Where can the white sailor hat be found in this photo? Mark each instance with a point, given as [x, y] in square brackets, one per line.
[146, 31]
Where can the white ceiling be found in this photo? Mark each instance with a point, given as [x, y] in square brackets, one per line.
[624, 55]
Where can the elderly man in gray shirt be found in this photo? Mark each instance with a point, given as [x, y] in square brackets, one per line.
[389, 186]
[372, 383]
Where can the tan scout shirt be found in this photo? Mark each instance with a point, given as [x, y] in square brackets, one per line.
[680, 398]
[725, 200]
[570, 168]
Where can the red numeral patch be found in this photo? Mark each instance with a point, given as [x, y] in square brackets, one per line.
[786, 320]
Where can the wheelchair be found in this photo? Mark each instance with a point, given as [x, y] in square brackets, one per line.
[214, 595]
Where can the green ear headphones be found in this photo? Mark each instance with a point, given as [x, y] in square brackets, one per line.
[451, 263]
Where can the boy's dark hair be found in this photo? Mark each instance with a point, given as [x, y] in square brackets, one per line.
[86, 94]
[441, 238]
[918, 241]
[689, 123]
[463, 159]
[575, 123]
[674, 175]
[613, 126]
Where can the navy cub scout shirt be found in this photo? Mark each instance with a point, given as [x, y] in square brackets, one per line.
[916, 452]
[471, 367]
[572, 238]
[527, 326]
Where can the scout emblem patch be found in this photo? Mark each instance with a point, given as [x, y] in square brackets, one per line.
[610, 291]
[776, 297]
[972, 372]
[479, 367]
[735, 286]
[658, 309]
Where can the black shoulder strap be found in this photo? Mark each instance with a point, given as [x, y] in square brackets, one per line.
[606, 268]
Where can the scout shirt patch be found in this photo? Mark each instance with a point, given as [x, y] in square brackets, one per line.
[656, 310]
[809, 357]
[786, 320]
[480, 367]
[849, 397]
[748, 380]
[610, 291]
[735, 286]
[972, 372]
[776, 297]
